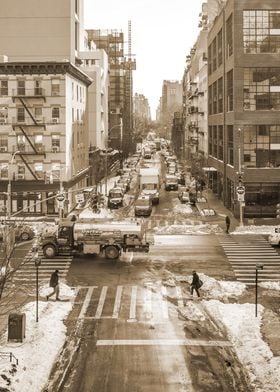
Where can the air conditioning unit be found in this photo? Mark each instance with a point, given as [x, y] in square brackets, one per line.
[3, 120]
[3, 148]
[55, 149]
[20, 176]
[55, 120]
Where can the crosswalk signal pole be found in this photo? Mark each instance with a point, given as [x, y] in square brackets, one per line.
[240, 178]
[258, 267]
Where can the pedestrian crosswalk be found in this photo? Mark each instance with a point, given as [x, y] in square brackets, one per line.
[245, 252]
[132, 303]
[164, 221]
[26, 273]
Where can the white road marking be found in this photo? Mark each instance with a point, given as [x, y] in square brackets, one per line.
[132, 311]
[164, 342]
[117, 304]
[101, 302]
[86, 302]
[148, 303]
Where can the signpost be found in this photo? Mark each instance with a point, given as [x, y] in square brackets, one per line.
[240, 191]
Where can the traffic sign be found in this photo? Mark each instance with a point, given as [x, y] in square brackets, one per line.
[240, 197]
[60, 197]
[80, 198]
[240, 190]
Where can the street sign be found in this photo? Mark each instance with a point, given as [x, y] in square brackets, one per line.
[60, 197]
[80, 198]
[277, 230]
[240, 190]
[240, 197]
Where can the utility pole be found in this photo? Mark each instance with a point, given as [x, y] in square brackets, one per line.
[240, 189]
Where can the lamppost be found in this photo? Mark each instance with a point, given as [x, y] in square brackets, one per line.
[37, 261]
[9, 189]
[258, 267]
[60, 197]
[241, 188]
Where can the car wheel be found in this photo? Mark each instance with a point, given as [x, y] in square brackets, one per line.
[112, 252]
[24, 236]
[49, 251]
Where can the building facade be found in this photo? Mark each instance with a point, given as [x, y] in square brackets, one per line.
[243, 105]
[170, 102]
[43, 134]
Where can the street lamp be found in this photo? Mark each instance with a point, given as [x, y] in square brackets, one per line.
[9, 189]
[37, 261]
[60, 197]
[258, 267]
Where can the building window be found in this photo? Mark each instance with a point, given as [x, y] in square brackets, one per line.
[77, 6]
[37, 87]
[215, 141]
[220, 48]
[4, 173]
[261, 89]
[38, 167]
[39, 142]
[230, 156]
[230, 91]
[261, 31]
[210, 141]
[55, 91]
[214, 48]
[55, 113]
[21, 87]
[209, 59]
[210, 100]
[76, 35]
[215, 97]
[220, 143]
[56, 141]
[21, 171]
[3, 143]
[220, 95]
[4, 87]
[229, 36]
[262, 146]
[20, 114]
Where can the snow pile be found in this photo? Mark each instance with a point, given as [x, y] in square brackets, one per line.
[191, 312]
[270, 285]
[183, 209]
[39, 350]
[189, 229]
[244, 331]
[255, 229]
[89, 214]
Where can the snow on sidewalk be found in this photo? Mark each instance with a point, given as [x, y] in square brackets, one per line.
[39, 350]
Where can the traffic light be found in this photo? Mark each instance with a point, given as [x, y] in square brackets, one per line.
[240, 177]
[278, 210]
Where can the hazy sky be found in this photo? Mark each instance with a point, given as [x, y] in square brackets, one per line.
[163, 32]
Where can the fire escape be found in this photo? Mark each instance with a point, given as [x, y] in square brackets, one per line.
[23, 123]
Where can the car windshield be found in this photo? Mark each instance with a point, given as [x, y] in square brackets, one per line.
[143, 202]
[150, 187]
[115, 194]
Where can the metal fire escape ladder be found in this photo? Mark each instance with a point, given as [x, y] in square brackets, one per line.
[28, 139]
[28, 167]
[28, 111]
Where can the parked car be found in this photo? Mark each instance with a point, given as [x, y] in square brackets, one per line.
[274, 239]
[23, 232]
[124, 182]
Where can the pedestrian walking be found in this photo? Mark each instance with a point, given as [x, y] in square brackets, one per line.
[54, 283]
[196, 283]
[227, 224]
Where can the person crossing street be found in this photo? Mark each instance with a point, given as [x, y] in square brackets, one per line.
[196, 284]
[54, 283]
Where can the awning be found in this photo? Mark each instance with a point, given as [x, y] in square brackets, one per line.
[209, 169]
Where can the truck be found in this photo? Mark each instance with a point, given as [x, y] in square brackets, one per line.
[149, 183]
[171, 182]
[109, 237]
[115, 197]
[147, 152]
[143, 206]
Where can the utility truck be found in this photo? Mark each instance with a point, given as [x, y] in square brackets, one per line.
[149, 183]
[108, 237]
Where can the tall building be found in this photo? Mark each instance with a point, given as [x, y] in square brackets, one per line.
[120, 87]
[48, 115]
[142, 115]
[171, 102]
[243, 105]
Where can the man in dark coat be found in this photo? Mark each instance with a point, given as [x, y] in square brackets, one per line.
[55, 285]
[195, 284]
[227, 224]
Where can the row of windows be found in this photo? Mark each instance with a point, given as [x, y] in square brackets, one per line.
[261, 31]
[261, 145]
[21, 170]
[215, 49]
[216, 143]
[216, 94]
[38, 140]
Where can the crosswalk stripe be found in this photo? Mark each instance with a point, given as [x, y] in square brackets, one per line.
[86, 302]
[132, 311]
[164, 304]
[117, 303]
[101, 302]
